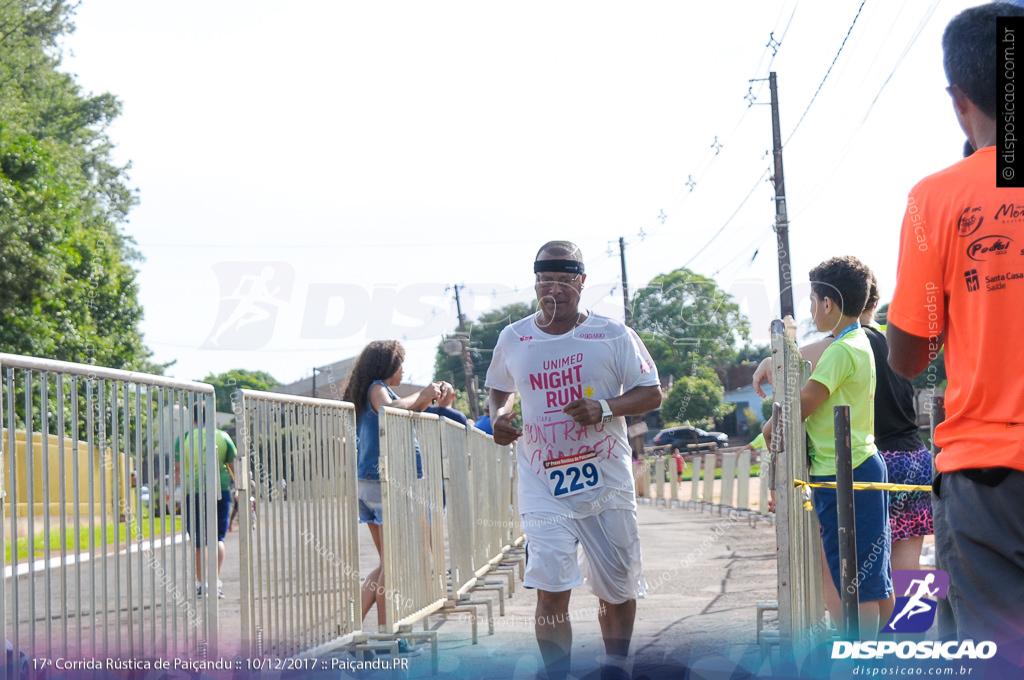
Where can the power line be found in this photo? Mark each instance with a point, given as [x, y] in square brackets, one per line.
[752, 245]
[323, 246]
[822, 84]
[719, 142]
[735, 212]
[839, 159]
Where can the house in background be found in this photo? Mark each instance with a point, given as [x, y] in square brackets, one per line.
[746, 401]
[329, 381]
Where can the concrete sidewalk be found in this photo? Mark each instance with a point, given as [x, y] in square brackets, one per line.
[705, 573]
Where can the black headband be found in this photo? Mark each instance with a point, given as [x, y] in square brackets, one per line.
[565, 266]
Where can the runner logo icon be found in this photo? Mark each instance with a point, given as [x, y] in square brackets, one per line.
[913, 613]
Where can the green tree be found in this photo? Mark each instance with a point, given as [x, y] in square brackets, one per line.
[682, 312]
[483, 336]
[69, 290]
[225, 384]
[694, 396]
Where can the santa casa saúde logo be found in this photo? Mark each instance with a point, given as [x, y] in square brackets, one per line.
[917, 595]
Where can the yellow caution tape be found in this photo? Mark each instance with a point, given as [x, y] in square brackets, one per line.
[805, 488]
[869, 486]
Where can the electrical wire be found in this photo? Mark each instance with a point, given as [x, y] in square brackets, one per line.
[652, 229]
[822, 84]
[731, 217]
[826, 178]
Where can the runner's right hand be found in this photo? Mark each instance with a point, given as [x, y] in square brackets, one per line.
[504, 432]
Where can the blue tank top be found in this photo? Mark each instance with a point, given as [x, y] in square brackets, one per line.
[368, 440]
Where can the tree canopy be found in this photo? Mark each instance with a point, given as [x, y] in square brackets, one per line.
[682, 312]
[483, 336]
[69, 290]
[695, 396]
[225, 384]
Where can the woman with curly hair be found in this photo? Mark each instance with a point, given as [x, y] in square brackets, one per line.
[369, 383]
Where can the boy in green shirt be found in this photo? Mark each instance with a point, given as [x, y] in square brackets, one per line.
[189, 451]
[845, 374]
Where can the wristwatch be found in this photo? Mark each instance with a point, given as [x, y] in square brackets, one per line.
[606, 412]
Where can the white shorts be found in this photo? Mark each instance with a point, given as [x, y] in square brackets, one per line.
[609, 564]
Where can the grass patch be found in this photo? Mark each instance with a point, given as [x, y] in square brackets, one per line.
[80, 542]
[755, 471]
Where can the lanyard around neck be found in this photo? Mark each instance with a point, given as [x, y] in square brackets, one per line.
[852, 327]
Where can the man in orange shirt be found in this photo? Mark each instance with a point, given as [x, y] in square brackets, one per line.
[961, 283]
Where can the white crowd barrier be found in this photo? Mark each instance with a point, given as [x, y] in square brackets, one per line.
[413, 535]
[477, 520]
[460, 509]
[801, 603]
[659, 482]
[100, 564]
[299, 562]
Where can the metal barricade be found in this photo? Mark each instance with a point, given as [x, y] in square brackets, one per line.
[709, 479]
[460, 506]
[728, 479]
[461, 519]
[518, 537]
[414, 566]
[494, 490]
[695, 482]
[645, 479]
[673, 479]
[299, 553]
[659, 480]
[100, 564]
[505, 509]
[801, 603]
[743, 481]
[497, 525]
[765, 481]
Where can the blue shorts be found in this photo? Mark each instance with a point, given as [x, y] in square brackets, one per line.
[874, 538]
[371, 507]
[194, 526]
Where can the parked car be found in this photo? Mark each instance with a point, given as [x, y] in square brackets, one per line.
[168, 499]
[683, 437]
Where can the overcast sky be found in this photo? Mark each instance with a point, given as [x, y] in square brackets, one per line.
[314, 175]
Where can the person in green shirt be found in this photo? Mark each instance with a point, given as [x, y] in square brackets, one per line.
[188, 451]
[845, 375]
[757, 444]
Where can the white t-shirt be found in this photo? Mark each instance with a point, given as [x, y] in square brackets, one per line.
[600, 359]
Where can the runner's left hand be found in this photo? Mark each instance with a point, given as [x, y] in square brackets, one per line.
[584, 411]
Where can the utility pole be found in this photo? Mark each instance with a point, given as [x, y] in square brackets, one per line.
[781, 218]
[638, 439]
[467, 361]
[627, 313]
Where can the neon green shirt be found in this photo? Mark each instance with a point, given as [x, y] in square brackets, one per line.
[226, 453]
[758, 443]
[847, 370]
